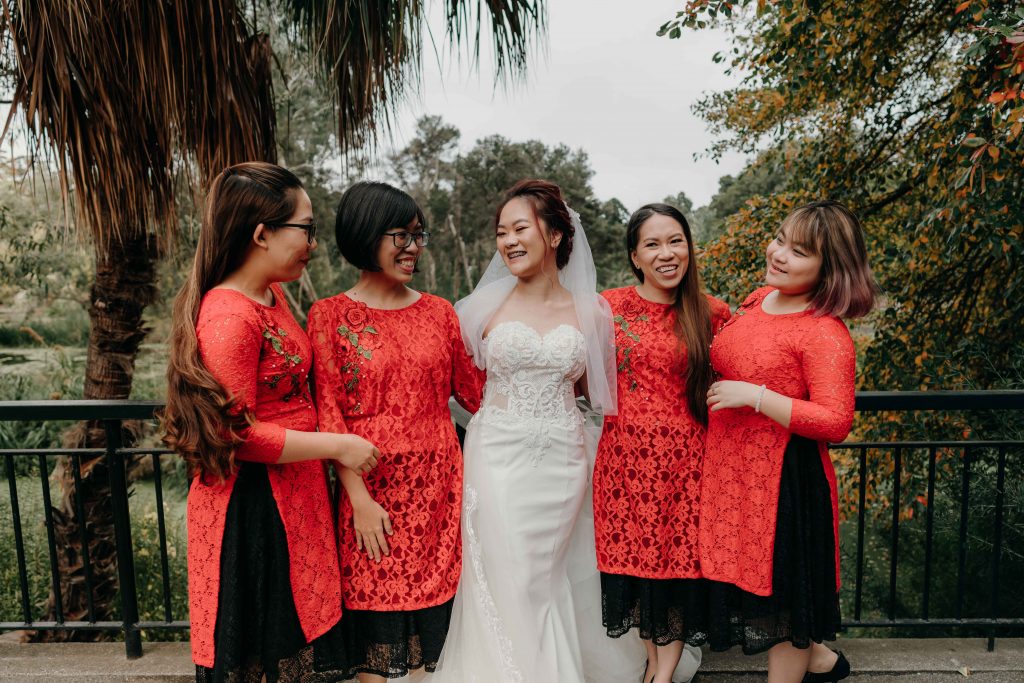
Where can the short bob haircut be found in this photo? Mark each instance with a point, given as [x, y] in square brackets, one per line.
[828, 229]
[366, 211]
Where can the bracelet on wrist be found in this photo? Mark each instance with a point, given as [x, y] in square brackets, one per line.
[760, 395]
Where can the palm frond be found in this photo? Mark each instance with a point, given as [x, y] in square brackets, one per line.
[371, 50]
[122, 96]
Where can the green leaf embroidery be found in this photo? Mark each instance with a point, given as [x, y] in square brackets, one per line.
[627, 351]
[352, 337]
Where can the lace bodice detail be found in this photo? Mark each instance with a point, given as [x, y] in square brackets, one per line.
[531, 376]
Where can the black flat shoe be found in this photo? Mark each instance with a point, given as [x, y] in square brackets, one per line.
[840, 670]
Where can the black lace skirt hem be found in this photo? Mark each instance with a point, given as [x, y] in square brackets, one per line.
[804, 605]
[258, 633]
[662, 610]
[391, 644]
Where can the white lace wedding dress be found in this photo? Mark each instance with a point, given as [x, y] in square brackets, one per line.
[526, 480]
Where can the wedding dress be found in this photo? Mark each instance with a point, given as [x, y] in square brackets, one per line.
[526, 477]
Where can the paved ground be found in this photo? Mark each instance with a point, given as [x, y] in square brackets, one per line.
[939, 660]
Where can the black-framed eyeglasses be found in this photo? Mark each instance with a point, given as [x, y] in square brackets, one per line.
[404, 238]
[310, 229]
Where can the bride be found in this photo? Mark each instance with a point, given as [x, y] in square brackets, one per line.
[528, 605]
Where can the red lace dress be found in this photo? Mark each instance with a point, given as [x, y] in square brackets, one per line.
[761, 480]
[387, 375]
[647, 474]
[262, 357]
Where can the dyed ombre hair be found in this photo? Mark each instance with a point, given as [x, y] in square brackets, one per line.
[828, 229]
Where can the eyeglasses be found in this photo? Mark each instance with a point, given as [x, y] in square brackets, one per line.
[310, 229]
[404, 238]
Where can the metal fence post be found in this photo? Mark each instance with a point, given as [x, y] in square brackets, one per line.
[123, 534]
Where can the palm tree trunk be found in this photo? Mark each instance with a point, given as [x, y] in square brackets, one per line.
[123, 287]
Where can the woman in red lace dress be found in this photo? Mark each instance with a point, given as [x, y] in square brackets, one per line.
[263, 580]
[387, 359]
[768, 518]
[647, 475]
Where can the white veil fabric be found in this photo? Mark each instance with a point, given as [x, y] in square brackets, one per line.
[579, 276]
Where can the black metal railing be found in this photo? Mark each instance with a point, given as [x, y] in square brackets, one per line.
[970, 453]
[112, 415]
[1004, 457]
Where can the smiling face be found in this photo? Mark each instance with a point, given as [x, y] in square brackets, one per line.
[399, 263]
[793, 267]
[289, 249]
[662, 253]
[524, 241]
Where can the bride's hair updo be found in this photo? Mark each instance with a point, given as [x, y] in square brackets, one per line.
[548, 206]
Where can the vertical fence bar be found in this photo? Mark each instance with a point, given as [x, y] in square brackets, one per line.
[58, 600]
[928, 534]
[897, 473]
[858, 589]
[83, 529]
[164, 564]
[965, 490]
[997, 545]
[123, 533]
[19, 541]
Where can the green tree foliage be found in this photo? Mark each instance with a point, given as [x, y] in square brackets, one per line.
[912, 117]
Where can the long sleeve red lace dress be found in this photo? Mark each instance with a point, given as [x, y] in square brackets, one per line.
[647, 477]
[387, 375]
[768, 513]
[263, 576]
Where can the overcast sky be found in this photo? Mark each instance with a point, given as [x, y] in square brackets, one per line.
[607, 84]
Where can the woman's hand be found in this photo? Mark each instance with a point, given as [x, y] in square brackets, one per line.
[732, 394]
[372, 525]
[357, 454]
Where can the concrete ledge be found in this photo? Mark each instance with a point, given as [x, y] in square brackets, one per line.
[95, 663]
[874, 660]
[881, 660]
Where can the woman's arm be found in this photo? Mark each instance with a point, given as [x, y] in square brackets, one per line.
[467, 379]
[230, 348]
[371, 522]
[329, 391]
[828, 364]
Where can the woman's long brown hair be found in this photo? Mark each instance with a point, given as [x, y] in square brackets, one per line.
[200, 421]
[693, 312]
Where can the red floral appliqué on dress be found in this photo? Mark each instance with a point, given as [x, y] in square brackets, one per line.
[806, 357]
[252, 349]
[414, 362]
[647, 474]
